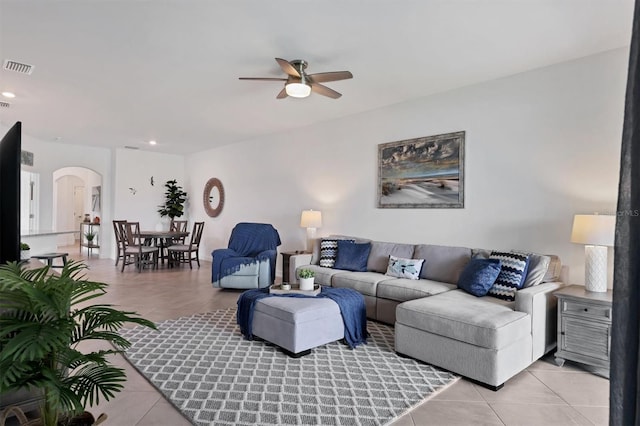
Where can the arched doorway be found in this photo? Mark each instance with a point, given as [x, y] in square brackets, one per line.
[77, 191]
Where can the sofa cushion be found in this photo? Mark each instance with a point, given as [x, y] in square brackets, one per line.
[298, 310]
[442, 263]
[329, 252]
[380, 252]
[461, 316]
[536, 270]
[512, 274]
[363, 282]
[403, 289]
[322, 275]
[352, 256]
[478, 276]
[404, 268]
[554, 270]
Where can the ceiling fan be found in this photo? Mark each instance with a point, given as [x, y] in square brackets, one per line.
[299, 84]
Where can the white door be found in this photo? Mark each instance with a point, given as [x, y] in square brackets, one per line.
[78, 206]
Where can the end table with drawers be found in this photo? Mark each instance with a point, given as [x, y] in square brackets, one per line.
[584, 328]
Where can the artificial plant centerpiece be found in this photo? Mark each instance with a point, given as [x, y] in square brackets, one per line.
[175, 197]
[306, 279]
[43, 319]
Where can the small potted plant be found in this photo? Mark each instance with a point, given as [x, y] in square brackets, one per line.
[90, 236]
[306, 279]
[25, 251]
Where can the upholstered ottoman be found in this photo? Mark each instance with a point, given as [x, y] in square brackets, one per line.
[297, 324]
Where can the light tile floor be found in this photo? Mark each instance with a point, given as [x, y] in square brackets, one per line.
[544, 394]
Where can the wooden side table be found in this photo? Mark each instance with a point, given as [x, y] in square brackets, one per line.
[286, 258]
[584, 328]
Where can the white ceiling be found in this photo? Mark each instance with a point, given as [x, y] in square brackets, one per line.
[114, 73]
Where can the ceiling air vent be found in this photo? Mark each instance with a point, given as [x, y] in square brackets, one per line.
[4, 104]
[131, 147]
[18, 67]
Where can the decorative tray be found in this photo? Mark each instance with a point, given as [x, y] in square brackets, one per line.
[295, 288]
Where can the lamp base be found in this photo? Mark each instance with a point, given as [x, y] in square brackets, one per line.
[311, 235]
[595, 269]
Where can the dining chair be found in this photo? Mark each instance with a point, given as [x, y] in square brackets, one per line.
[119, 237]
[183, 253]
[134, 249]
[178, 226]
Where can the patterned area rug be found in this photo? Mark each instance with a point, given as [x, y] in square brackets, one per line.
[203, 365]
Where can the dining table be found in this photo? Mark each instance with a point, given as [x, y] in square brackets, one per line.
[162, 239]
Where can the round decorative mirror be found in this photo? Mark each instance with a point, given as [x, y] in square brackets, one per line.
[213, 197]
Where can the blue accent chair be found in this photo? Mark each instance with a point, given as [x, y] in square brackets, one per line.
[250, 259]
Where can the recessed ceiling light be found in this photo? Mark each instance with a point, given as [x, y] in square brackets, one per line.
[152, 142]
[8, 94]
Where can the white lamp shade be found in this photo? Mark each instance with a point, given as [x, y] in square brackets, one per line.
[597, 230]
[298, 90]
[311, 219]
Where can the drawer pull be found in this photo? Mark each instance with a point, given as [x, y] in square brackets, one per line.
[586, 310]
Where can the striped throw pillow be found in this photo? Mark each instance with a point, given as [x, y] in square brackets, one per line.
[512, 275]
[329, 252]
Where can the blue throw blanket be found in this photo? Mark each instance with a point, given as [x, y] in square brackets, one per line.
[249, 243]
[350, 302]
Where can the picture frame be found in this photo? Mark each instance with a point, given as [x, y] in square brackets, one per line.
[425, 172]
[96, 198]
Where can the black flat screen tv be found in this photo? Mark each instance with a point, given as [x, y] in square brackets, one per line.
[10, 153]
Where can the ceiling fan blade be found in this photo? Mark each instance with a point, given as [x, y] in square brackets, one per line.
[282, 94]
[325, 91]
[287, 67]
[324, 77]
[262, 78]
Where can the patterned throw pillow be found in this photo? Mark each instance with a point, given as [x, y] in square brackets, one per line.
[404, 268]
[512, 274]
[329, 251]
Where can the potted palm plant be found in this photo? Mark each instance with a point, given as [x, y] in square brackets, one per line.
[43, 319]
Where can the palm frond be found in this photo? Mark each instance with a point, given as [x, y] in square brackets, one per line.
[39, 328]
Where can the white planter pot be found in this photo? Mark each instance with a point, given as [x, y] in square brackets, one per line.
[25, 254]
[164, 224]
[306, 284]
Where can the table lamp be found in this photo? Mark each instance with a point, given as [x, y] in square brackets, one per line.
[597, 232]
[311, 219]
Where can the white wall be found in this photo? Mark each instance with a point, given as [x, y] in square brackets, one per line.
[50, 156]
[134, 169]
[540, 147]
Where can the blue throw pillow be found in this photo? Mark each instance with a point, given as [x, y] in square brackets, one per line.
[478, 276]
[352, 256]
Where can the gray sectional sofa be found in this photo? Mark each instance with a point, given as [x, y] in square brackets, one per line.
[486, 339]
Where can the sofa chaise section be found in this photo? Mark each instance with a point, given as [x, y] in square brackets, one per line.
[485, 339]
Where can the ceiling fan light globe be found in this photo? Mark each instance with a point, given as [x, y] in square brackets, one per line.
[298, 90]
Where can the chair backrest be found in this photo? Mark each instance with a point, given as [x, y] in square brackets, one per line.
[131, 233]
[178, 226]
[116, 230]
[249, 239]
[196, 235]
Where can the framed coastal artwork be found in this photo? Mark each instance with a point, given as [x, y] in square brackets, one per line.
[426, 172]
